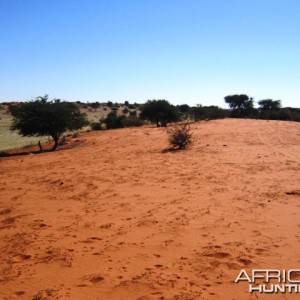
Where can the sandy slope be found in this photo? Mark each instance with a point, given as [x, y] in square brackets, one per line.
[115, 218]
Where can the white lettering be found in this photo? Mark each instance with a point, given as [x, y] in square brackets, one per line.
[258, 274]
[278, 288]
[290, 280]
[290, 272]
[270, 290]
[240, 278]
[255, 288]
[277, 275]
[290, 287]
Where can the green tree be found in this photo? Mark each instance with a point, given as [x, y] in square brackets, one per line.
[241, 105]
[208, 112]
[41, 117]
[95, 105]
[160, 112]
[184, 110]
[197, 113]
[269, 104]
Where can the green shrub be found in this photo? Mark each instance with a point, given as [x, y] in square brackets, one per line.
[125, 111]
[133, 113]
[113, 121]
[283, 114]
[208, 113]
[132, 121]
[96, 126]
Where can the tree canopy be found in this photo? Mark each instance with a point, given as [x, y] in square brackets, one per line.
[269, 104]
[241, 105]
[41, 117]
[160, 112]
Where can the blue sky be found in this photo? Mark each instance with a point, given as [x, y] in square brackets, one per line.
[186, 51]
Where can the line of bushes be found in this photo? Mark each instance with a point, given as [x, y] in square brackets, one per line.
[113, 121]
[161, 112]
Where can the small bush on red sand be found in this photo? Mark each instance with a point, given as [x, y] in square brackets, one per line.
[180, 136]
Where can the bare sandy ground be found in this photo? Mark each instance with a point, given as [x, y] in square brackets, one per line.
[116, 218]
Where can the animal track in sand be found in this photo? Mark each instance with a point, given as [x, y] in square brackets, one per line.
[20, 257]
[9, 221]
[158, 266]
[90, 240]
[168, 242]
[45, 294]
[245, 261]
[91, 280]
[36, 224]
[144, 298]
[293, 193]
[106, 226]
[5, 211]
[95, 279]
[219, 254]
[260, 250]
[19, 293]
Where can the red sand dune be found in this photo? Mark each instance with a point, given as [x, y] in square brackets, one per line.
[116, 218]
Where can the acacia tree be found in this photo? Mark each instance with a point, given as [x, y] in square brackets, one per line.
[41, 117]
[241, 105]
[184, 110]
[160, 112]
[95, 105]
[269, 104]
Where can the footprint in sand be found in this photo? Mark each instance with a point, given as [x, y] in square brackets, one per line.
[19, 293]
[20, 257]
[5, 211]
[293, 193]
[91, 280]
[9, 221]
[260, 250]
[95, 279]
[158, 266]
[218, 254]
[245, 261]
[46, 294]
[106, 226]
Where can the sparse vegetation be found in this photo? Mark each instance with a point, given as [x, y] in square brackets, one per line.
[180, 136]
[95, 105]
[114, 115]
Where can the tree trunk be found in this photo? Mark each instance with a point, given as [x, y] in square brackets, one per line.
[55, 143]
[40, 146]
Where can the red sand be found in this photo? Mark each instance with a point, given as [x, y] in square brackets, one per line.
[115, 218]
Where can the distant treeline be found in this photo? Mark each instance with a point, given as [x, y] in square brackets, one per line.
[161, 112]
[54, 118]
